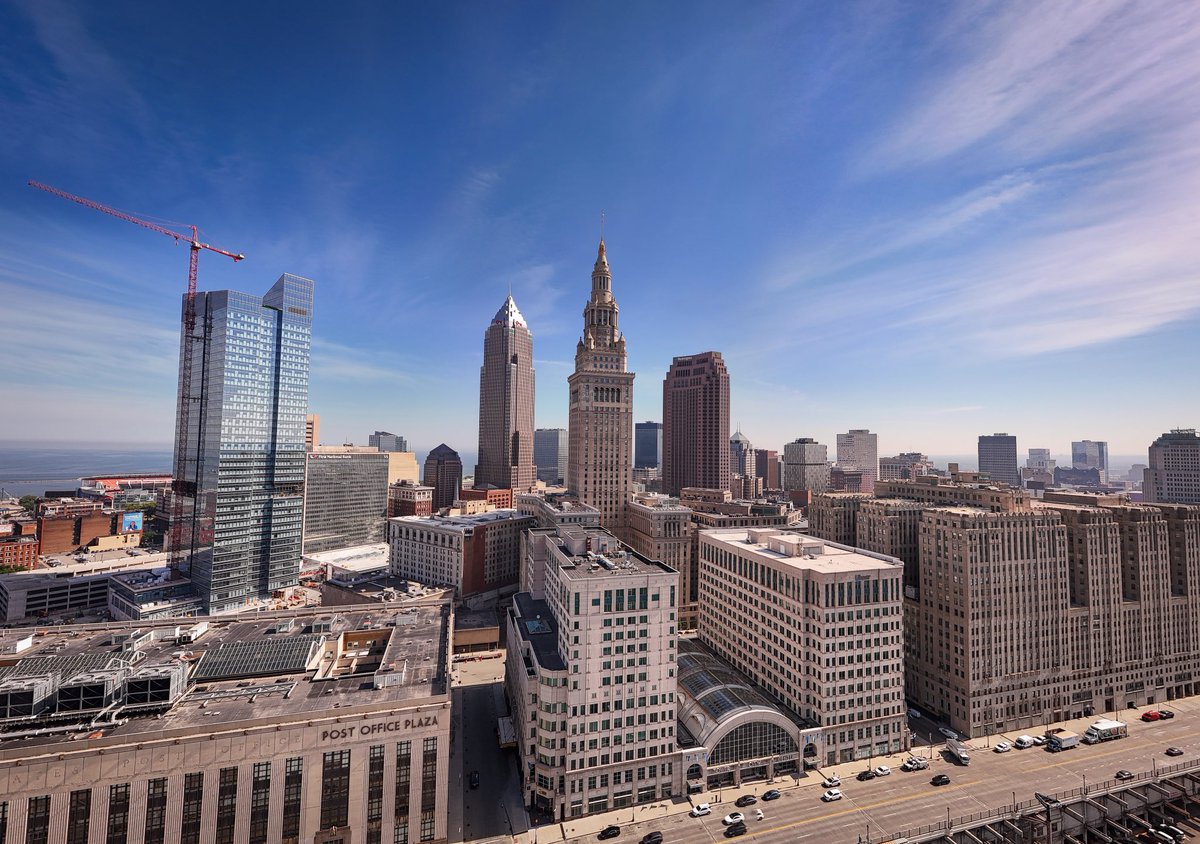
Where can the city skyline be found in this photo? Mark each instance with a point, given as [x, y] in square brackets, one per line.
[927, 203]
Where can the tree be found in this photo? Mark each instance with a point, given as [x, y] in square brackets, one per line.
[29, 502]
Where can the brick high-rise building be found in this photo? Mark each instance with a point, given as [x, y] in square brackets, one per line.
[834, 516]
[766, 466]
[406, 498]
[858, 449]
[1174, 472]
[600, 415]
[443, 472]
[506, 387]
[998, 458]
[696, 423]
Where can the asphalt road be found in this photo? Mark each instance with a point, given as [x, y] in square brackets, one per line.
[883, 807]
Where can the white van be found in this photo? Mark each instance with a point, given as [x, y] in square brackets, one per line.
[1022, 742]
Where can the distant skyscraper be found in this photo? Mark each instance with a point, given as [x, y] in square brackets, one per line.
[385, 441]
[1174, 473]
[1090, 454]
[859, 449]
[506, 403]
[443, 472]
[345, 497]
[904, 466]
[648, 445]
[696, 423]
[766, 466]
[1039, 459]
[239, 468]
[998, 458]
[741, 455]
[550, 450]
[312, 431]
[805, 465]
[600, 419]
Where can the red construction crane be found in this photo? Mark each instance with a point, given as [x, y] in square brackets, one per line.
[181, 487]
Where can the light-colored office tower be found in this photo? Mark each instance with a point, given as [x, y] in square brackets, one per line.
[1174, 472]
[660, 528]
[892, 526]
[696, 442]
[1090, 454]
[648, 445]
[550, 450]
[1040, 460]
[766, 466]
[478, 555]
[386, 441]
[998, 458]
[903, 467]
[506, 392]
[239, 466]
[831, 649]
[833, 516]
[741, 454]
[312, 431]
[275, 698]
[805, 465]
[858, 449]
[600, 417]
[345, 497]
[443, 472]
[591, 679]
[1137, 473]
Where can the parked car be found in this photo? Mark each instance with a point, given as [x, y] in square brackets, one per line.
[831, 782]
[745, 800]
[914, 763]
[1003, 747]
[831, 795]
[773, 794]
[1151, 715]
[882, 771]
[1124, 775]
[732, 818]
[948, 733]
[610, 831]
[863, 776]
[474, 779]
[700, 810]
[940, 779]
[1023, 742]
[734, 830]
[1039, 740]
[1165, 714]
[1174, 751]
[914, 713]
[654, 837]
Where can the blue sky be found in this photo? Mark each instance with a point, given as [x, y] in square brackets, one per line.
[933, 220]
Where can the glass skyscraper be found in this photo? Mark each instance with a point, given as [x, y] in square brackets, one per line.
[239, 466]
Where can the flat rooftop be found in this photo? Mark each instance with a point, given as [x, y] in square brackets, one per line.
[355, 558]
[799, 550]
[616, 560]
[474, 520]
[270, 668]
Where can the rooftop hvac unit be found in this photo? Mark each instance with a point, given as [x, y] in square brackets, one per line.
[156, 685]
[25, 697]
[91, 690]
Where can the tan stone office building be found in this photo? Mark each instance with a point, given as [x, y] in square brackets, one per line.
[309, 726]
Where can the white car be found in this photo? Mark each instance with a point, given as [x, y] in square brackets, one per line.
[1003, 747]
[915, 763]
[700, 810]
[882, 771]
[831, 782]
[758, 814]
[732, 818]
[831, 795]
[948, 733]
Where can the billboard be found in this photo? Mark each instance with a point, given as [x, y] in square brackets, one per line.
[131, 522]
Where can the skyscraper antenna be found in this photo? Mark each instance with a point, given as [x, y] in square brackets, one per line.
[602, 224]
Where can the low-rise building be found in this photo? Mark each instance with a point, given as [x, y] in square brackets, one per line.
[65, 587]
[409, 499]
[478, 555]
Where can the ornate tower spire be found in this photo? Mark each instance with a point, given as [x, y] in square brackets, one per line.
[601, 277]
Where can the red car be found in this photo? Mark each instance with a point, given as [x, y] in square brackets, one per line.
[1150, 716]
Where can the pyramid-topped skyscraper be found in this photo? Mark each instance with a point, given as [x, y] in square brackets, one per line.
[506, 391]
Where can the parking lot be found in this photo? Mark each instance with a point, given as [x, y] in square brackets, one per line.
[880, 808]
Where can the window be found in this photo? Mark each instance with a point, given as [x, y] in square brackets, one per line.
[226, 805]
[375, 795]
[293, 787]
[428, 787]
[403, 782]
[118, 814]
[79, 816]
[193, 806]
[156, 812]
[335, 789]
[37, 825]
[260, 802]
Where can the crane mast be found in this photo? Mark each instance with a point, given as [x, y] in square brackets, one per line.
[187, 486]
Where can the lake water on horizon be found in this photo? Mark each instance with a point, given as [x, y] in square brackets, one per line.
[31, 470]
